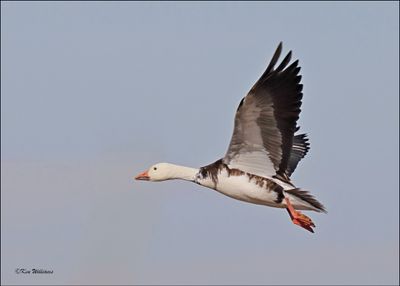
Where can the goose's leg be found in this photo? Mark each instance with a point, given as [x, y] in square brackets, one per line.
[299, 218]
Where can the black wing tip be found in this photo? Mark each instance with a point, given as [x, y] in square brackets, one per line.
[280, 45]
[274, 59]
[285, 62]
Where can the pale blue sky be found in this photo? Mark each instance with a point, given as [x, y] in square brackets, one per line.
[94, 92]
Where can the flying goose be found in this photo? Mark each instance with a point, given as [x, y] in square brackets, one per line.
[263, 151]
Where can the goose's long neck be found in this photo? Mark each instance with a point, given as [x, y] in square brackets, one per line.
[182, 172]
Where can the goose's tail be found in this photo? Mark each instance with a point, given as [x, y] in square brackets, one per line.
[303, 200]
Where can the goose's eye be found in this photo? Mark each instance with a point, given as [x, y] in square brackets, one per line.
[155, 168]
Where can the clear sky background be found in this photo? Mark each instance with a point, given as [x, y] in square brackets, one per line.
[93, 93]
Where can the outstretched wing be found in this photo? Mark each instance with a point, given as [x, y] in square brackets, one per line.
[265, 121]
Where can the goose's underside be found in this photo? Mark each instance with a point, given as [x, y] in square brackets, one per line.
[255, 189]
[260, 190]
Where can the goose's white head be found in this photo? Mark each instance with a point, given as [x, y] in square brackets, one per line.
[165, 171]
[157, 172]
